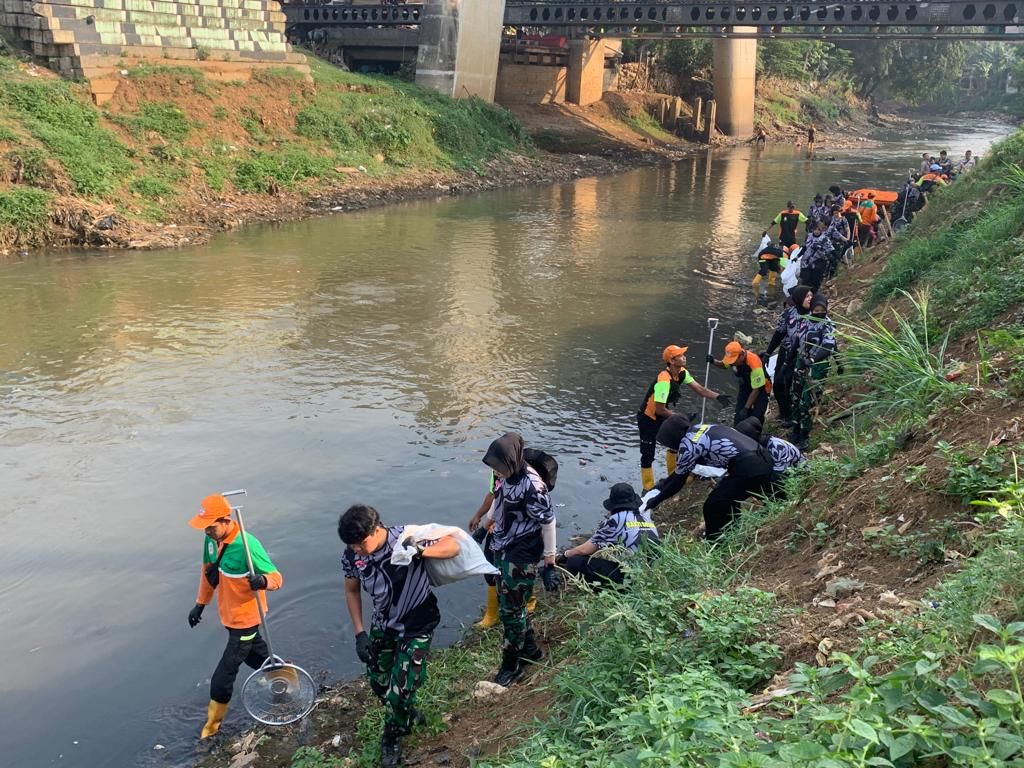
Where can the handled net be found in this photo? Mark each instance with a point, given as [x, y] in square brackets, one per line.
[278, 693]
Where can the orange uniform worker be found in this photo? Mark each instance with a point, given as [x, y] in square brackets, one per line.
[663, 392]
[225, 573]
[755, 386]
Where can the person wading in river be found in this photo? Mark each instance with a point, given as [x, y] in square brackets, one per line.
[225, 572]
[663, 392]
[405, 615]
[788, 221]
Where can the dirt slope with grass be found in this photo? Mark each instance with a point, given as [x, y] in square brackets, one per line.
[175, 157]
[875, 616]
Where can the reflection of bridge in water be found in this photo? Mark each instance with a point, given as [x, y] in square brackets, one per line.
[962, 19]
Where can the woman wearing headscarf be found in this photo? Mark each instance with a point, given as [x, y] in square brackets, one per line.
[523, 533]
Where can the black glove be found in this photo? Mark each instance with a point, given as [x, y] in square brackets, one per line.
[257, 581]
[551, 578]
[724, 400]
[363, 647]
[410, 542]
[766, 356]
[195, 615]
[709, 358]
[561, 559]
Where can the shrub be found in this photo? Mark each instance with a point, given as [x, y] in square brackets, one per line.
[23, 215]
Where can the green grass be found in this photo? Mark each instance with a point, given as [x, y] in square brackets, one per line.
[23, 215]
[151, 187]
[163, 118]
[69, 128]
[260, 171]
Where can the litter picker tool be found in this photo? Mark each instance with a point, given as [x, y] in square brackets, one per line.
[278, 693]
[712, 327]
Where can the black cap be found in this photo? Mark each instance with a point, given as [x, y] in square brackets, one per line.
[817, 196]
[622, 496]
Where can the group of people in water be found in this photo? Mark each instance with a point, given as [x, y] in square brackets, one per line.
[515, 523]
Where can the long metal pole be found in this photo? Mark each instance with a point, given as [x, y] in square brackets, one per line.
[252, 572]
[712, 325]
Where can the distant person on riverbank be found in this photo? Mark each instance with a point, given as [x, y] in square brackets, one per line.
[754, 384]
[817, 345]
[811, 135]
[405, 614]
[748, 465]
[788, 221]
[524, 532]
[786, 340]
[945, 164]
[869, 219]
[662, 393]
[225, 574]
[926, 163]
[817, 212]
[624, 527]
[760, 138]
[967, 163]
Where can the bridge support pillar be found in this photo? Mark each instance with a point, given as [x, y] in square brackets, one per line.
[585, 76]
[735, 62]
[459, 44]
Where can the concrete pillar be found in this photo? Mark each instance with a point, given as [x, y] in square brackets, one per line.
[735, 62]
[459, 44]
[586, 72]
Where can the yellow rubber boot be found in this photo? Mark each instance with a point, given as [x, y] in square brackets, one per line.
[773, 285]
[647, 478]
[531, 604]
[670, 461]
[755, 286]
[215, 712]
[490, 618]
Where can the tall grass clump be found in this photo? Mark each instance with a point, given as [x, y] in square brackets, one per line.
[94, 159]
[904, 367]
[23, 215]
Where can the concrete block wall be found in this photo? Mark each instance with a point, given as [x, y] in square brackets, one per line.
[88, 38]
[530, 84]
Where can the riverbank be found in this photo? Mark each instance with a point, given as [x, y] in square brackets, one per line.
[175, 158]
[869, 619]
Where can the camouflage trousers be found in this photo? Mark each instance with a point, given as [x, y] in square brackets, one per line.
[397, 669]
[515, 585]
[807, 388]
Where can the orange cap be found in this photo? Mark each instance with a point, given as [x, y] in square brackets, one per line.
[732, 352]
[672, 351]
[212, 508]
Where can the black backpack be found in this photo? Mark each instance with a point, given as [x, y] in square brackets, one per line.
[544, 464]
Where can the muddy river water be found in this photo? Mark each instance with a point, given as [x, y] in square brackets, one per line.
[365, 357]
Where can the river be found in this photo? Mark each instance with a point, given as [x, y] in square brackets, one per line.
[365, 357]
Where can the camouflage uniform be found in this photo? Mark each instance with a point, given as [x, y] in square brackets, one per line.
[397, 669]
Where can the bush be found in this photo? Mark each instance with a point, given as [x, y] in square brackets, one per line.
[23, 215]
[163, 118]
[260, 171]
[93, 158]
[151, 187]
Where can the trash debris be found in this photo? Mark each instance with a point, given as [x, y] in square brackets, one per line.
[843, 587]
[485, 689]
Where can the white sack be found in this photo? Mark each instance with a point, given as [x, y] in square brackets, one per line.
[469, 562]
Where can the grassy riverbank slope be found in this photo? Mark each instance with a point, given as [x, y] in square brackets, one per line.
[875, 618]
[175, 156]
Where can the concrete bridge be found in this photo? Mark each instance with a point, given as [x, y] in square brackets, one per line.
[460, 40]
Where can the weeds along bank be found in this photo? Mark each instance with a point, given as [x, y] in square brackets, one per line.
[175, 148]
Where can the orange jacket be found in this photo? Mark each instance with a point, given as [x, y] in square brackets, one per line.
[236, 602]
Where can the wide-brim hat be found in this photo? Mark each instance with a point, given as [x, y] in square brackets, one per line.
[622, 496]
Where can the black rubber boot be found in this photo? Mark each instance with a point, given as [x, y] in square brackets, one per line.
[531, 652]
[416, 720]
[390, 749]
[511, 668]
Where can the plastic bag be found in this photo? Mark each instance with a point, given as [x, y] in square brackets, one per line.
[791, 274]
[468, 563]
[765, 242]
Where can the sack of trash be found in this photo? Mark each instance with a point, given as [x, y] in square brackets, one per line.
[469, 562]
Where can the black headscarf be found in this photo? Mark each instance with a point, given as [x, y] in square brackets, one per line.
[506, 455]
[819, 300]
[671, 432]
[751, 427]
[798, 293]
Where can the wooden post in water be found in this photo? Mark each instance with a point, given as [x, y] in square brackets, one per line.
[709, 124]
[698, 107]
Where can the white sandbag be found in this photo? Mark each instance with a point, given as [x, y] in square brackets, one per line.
[765, 242]
[469, 562]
